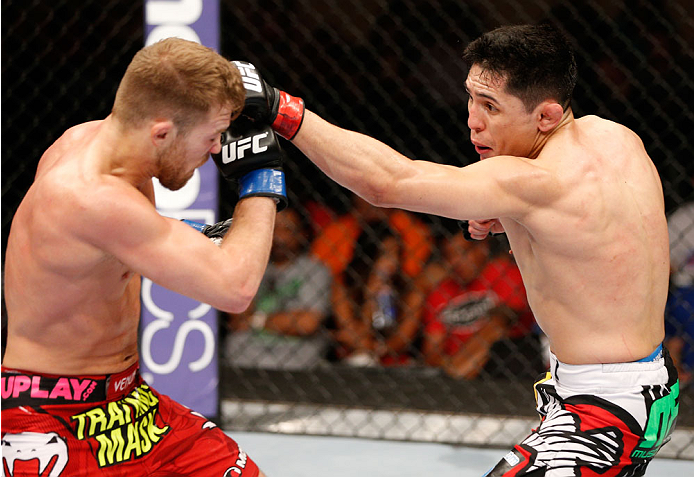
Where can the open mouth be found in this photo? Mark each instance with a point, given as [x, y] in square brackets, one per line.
[482, 149]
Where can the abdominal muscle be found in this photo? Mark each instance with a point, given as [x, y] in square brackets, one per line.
[594, 305]
[89, 332]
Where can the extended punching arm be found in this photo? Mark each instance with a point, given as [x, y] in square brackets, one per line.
[268, 105]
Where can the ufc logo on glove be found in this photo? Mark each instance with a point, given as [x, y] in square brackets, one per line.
[249, 76]
[237, 149]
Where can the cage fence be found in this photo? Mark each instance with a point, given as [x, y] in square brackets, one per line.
[330, 346]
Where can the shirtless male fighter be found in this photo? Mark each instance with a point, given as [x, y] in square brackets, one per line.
[582, 206]
[73, 402]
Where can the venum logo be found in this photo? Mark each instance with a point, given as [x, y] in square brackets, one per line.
[122, 384]
[27, 446]
[237, 149]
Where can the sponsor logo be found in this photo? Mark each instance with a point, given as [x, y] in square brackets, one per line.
[123, 383]
[661, 420]
[124, 430]
[27, 446]
[21, 386]
[249, 76]
[237, 149]
[179, 335]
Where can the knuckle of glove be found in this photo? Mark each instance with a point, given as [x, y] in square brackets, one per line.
[265, 104]
[256, 148]
[253, 162]
[261, 99]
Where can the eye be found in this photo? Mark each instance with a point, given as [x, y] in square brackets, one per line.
[490, 107]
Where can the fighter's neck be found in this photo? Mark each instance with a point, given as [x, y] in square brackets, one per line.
[121, 154]
[542, 137]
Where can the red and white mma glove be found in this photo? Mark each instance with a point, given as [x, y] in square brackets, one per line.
[268, 105]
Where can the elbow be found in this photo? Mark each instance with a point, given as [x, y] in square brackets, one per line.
[239, 302]
[234, 303]
[380, 193]
[237, 296]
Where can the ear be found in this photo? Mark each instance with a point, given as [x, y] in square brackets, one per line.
[162, 133]
[549, 115]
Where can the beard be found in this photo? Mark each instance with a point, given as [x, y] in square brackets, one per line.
[171, 170]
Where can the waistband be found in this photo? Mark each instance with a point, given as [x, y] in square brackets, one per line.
[651, 370]
[654, 356]
[26, 388]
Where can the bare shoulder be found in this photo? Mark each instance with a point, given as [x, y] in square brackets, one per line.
[534, 181]
[605, 128]
[67, 146]
[89, 206]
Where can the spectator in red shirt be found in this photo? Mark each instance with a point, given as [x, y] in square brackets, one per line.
[478, 300]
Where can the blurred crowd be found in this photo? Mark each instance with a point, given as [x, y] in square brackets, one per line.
[385, 287]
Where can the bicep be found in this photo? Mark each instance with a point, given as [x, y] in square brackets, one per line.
[164, 250]
[503, 186]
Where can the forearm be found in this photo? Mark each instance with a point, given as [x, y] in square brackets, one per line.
[360, 163]
[248, 242]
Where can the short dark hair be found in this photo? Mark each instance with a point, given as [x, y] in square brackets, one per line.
[536, 61]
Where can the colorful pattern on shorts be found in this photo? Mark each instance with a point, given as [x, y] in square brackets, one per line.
[141, 434]
[584, 435]
[123, 430]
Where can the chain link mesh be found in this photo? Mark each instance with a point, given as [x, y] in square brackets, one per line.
[392, 70]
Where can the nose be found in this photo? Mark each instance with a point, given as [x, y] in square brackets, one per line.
[474, 121]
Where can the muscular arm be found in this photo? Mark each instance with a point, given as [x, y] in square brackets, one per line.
[502, 186]
[125, 224]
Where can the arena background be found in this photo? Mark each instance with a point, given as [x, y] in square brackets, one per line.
[390, 69]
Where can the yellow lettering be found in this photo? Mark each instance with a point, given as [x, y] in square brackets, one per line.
[81, 424]
[110, 449]
[145, 442]
[133, 442]
[124, 429]
[136, 404]
[117, 416]
[97, 417]
[155, 432]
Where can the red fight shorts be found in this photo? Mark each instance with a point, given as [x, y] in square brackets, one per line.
[113, 425]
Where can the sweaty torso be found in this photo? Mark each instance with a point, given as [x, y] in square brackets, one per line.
[595, 258]
[72, 309]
